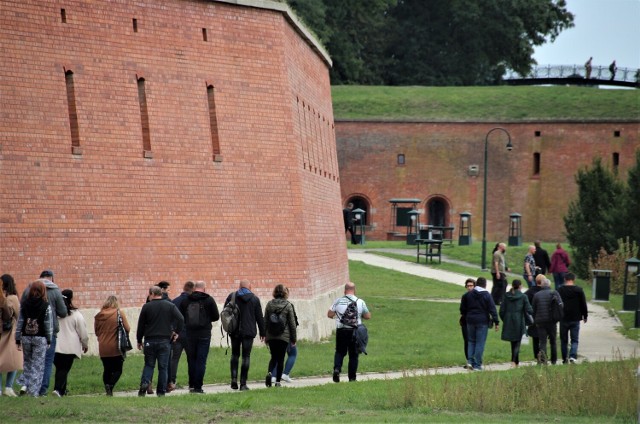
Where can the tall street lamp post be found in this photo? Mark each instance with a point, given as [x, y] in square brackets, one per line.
[484, 196]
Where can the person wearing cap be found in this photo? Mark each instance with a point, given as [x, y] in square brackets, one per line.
[58, 310]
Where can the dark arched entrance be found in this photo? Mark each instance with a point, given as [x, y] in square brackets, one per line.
[361, 203]
[438, 212]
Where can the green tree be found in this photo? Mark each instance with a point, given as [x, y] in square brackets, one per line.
[632, 201]
[431, 42]
[595, 219]
[469, 42]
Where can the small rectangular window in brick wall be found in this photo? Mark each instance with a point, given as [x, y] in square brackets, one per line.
[135, 25]
[213, 123]
[144, 118]
[536, 164]
[73, 114]
[616, 133]
[204, 34]
[63, 16]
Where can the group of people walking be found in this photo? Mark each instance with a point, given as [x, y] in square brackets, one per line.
[535, 313]
[46, 324]
[41, 329]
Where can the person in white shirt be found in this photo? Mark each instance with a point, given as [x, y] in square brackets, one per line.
[346, 324]
[73, 341]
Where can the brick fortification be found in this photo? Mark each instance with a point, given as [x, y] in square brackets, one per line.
[174, 140]
[443, 161]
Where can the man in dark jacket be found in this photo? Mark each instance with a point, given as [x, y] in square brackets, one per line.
[180, 343]
[347, 217]
[479, 311]
[532, 331]
[545, 325]
[542, 258]
[575, 309]
[156, 324]
[250, 317]
[199, 310]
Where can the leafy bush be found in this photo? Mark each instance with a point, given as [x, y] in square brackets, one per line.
[616, 262]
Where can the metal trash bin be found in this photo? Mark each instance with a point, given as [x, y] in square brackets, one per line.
[601, 284]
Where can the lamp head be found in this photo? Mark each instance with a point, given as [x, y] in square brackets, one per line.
[509, 145]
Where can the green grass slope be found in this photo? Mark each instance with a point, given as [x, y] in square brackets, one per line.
[501, 103]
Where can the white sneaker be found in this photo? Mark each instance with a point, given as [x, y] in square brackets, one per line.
[285, 377]
[56, 393]
[273, 380]
[23, 390]
[8, 391]
[572, 360]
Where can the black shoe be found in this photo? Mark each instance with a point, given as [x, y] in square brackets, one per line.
[143, 390]
[352, 379]
[243, 387]
[267, 380]
[234, 385]
[109, 389]
[198, 391]
[278, 384]
[336, 376]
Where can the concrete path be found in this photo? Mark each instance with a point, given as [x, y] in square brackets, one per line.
[599, 340]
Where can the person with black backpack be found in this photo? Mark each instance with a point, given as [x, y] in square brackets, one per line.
[281, 329]
[199, 311]
[248, 317]
[348, 312]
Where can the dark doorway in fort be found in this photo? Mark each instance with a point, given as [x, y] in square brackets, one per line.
[438, 210]
[361, 203]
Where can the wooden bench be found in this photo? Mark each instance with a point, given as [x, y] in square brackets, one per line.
[432, 249]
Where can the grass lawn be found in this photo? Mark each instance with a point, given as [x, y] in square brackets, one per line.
[483, 103]
[414, 325]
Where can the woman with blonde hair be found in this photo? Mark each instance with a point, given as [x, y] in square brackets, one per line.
[10, 356]
[34, 333]
[106, 325]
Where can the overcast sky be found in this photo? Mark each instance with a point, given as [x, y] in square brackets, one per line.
[604, 29]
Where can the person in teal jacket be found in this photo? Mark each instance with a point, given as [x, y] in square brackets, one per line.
[512, 313]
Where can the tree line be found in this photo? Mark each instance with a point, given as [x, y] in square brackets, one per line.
[431, 42]
[602, 222]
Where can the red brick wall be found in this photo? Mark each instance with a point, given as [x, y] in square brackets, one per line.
[438, 156]
[110, 220]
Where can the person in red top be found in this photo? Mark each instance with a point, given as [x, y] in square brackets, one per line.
[559, 265]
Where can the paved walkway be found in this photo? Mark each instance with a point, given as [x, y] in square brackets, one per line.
[599, 339]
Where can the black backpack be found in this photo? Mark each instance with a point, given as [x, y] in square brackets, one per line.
[557, 307]
[197, 316]
[350, 316]
[277, 322]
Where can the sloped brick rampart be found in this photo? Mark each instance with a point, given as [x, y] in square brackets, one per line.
[146, 141]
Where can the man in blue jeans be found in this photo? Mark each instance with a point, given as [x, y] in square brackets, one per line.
[479, 310]
[199, 311]
[575, 309]
[156, 325]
